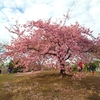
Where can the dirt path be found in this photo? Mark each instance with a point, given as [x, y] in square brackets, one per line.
[27, 73]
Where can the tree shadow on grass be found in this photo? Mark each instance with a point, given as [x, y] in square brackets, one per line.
[54, 75]
[94, 96]
[6, 96]
[92, 83]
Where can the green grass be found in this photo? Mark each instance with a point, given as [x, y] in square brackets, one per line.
[48, 86]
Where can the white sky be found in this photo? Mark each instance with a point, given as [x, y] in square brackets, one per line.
[86, 12]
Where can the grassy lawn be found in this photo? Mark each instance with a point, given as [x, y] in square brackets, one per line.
[48, 86]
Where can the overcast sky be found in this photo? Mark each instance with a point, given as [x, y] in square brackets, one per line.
[86, 12]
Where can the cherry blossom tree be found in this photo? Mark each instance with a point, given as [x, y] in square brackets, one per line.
[96, 48]
[46, 40]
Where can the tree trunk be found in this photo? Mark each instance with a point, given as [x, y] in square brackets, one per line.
[62, 72]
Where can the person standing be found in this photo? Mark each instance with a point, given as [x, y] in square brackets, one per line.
[92, 70]
[10, 69]
[80, 66]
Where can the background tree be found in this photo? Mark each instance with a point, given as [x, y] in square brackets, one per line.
[2, 61]
[2, 47]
